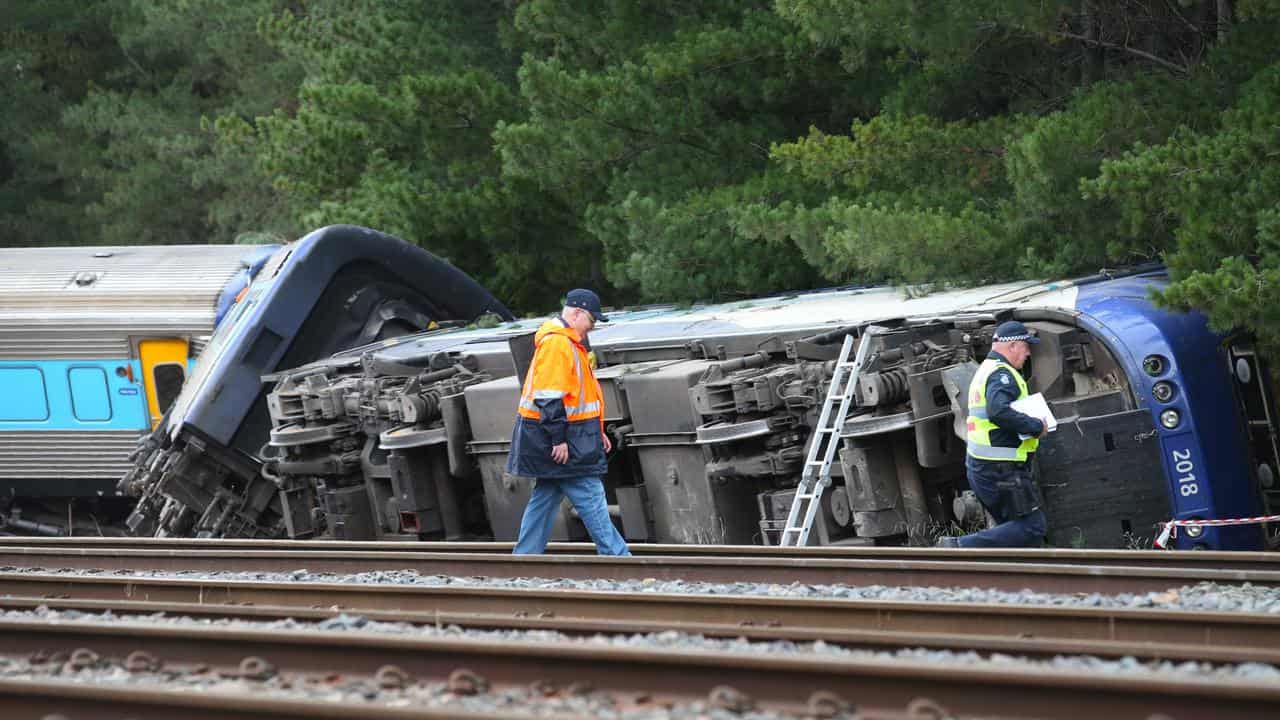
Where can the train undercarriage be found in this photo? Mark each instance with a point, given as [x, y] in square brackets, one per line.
[408, 438]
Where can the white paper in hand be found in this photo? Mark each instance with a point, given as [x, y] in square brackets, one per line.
[1036, 407]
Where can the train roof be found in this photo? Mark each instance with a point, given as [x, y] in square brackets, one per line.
[116, 276]
[90, 298]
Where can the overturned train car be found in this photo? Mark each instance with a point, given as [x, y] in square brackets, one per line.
[710, 409]
[199, 472]
[95, 343]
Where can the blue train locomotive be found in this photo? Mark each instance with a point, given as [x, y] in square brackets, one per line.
[711, 407]
[1211, 402]
[337, 287]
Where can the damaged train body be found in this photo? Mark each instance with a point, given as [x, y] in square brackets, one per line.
[336, 287]
[710, 409]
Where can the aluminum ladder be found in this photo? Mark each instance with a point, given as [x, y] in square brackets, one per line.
[816, 475]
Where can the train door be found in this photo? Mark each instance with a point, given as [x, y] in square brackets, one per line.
[164, 369]
[1258, 402]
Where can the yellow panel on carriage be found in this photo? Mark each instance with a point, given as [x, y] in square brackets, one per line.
[164, 368]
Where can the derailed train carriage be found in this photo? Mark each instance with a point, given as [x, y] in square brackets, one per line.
[710, 409]
[95, 344]
[335, 288]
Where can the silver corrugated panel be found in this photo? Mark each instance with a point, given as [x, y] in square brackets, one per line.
[116, 274]
[198, 344]
[65, 454]
[85, 302]
[60, 337]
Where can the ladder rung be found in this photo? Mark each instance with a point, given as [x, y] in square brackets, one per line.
[810, 489]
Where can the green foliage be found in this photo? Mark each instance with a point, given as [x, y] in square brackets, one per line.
[50, 55]
[664, 150]
[203, 60]
[699, 246]
[653, 121]
[108, 143]
[392, 129]
[1064, 230]
[918, 159]
[912, 191]
[1215, 191]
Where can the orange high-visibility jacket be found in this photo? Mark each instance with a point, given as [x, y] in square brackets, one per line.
[561, 370]
[561, 403]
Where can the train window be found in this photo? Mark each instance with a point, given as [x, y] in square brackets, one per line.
[25, 399]
[90, 397]
[168, 379]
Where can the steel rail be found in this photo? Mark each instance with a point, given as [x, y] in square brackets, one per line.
[1215, 560]
[682, 612]
[79, 701]
[782, 682]
[853, 638]
[1011, 576]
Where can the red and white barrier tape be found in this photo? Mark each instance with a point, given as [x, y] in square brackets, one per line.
[1170, 529]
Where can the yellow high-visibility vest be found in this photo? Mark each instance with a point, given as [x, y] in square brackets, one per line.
[980, 426]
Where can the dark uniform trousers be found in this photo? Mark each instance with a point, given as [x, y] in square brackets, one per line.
[1008, 491]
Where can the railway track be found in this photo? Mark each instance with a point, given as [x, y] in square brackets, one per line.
[1044, 576]
[983, 639]
[1212, 560]
[242, 653]
[629, 676]
[725, 615]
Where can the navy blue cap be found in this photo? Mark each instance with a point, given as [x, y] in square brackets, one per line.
[587, 300]
[1014, 330]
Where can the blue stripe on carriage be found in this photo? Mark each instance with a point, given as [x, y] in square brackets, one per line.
[72, 395]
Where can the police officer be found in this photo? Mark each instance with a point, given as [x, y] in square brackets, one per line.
[1001, 444]
[559, 434]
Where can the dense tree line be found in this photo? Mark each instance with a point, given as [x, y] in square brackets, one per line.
[667, 149]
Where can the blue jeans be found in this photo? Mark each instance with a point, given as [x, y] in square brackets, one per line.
[995, 484]
[587, 495]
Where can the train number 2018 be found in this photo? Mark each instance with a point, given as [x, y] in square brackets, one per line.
[1184, 468]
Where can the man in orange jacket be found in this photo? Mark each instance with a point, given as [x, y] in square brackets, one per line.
[559, 435]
